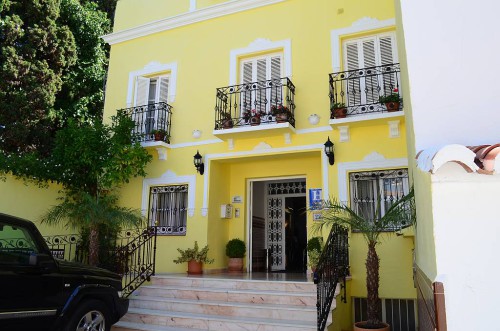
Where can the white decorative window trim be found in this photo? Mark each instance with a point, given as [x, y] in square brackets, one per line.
[372, 161]
[169, 178]
[261, 45]
[363, 24]
[191, 17]
[150, 69]
[192, 5]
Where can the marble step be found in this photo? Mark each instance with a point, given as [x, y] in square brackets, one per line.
[236, 284]
[230, 295]
[214, 322]
[210, 307]
[129, 326]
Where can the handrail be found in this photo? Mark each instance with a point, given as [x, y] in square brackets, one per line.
[136, 260]
[333, 266]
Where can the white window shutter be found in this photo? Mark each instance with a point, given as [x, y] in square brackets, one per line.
[247, 68]
[163, 89]
[351, 56]
[275, 67]
[387, 56]
[369, 57]
[261, 70]
[386, 50]
[141, 91]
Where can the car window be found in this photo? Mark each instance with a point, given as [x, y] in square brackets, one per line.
[16, 245]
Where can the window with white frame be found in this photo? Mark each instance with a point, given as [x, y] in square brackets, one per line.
[376, 191]
[168, 207]
[149, 93]
[367, 52]
[264, 72]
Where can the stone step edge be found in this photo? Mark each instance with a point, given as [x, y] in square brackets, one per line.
[226, 303]
[310, 283]
[228, 290]
[148, 327]
[234, 319]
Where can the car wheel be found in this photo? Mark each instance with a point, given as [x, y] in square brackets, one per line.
[91, 315]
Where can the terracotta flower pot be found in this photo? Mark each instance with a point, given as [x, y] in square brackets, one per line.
[195, 267]
[358, 326]
[159, 136]
[392, 106]
[281, 118]
[227, 124]
[339, 112]
[255, 120]
[235, 264]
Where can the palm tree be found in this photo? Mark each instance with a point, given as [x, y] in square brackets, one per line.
[82, 211]
[399, 215]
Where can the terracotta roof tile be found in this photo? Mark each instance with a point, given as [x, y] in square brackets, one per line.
[484, 159]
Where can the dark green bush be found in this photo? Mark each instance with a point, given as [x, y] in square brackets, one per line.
[236, 248]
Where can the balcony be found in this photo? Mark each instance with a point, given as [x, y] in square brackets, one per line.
[152, 122]
[359, 92]
[152, 126]
[255, 106]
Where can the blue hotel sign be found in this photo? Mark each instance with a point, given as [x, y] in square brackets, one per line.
[314, 198]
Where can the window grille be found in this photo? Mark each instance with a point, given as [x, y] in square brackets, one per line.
[374, 192]
[399, 313]
[168, 209]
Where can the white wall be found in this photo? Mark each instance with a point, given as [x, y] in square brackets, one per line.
[452, 49]
[467, 241]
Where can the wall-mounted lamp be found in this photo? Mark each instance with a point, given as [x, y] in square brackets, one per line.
[198, 163]
[329, 149]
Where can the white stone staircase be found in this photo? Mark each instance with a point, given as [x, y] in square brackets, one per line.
[181, 303]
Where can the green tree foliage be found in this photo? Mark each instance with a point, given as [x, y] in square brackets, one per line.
[35, 53]
[81, 96]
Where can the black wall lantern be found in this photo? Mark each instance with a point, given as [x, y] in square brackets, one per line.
[198, 163]
[329, 149]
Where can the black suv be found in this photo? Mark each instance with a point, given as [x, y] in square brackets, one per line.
[39, 292]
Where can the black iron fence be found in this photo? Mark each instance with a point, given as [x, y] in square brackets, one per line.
[364, 91]
[152, 122]
[333, 266]
[264, 102]
[131, 254]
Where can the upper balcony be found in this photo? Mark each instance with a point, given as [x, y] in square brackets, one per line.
[255, 106]
[365, 94]
[152, 123]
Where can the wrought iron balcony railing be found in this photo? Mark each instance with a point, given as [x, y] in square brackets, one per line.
[361, 91]
[265, 102]
[152, 122]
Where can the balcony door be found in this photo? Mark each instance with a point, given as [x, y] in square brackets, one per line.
[261, 77]
[148, 93]
[365, 87]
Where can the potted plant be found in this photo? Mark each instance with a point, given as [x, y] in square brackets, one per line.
[314, 248]
[338, 110]
[160, 134]
[195, 258]
[227, 121]
[400, 214]
[235, 250]
[282, 113]
[391, 101]
[253, 116]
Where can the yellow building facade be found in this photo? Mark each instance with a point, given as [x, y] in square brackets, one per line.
[214, 75]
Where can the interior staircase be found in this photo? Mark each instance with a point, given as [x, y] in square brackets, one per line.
[181, 303]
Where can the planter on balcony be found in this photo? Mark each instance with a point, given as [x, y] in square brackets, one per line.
[392, 106]
[255, 120]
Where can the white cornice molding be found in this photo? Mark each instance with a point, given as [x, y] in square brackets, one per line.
[363, 24]
[260, 152]
[191, 17]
